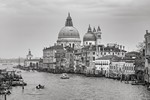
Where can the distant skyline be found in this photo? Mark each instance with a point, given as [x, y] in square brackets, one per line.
[35, 24]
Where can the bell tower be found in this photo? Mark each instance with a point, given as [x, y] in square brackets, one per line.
[29, 56]
[98, 40]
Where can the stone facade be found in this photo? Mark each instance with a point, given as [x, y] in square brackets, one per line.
[147, 56]
[49, 56]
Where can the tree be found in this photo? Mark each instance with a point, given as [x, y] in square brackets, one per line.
[141, 47]
[140, 61]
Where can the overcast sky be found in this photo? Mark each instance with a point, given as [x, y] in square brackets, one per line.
[35, 24]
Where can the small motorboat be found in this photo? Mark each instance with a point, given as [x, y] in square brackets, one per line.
[18, 83]
[64, 76]
[40, 87]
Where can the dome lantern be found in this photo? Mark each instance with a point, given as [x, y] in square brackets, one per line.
[89, 29]
[69, 21]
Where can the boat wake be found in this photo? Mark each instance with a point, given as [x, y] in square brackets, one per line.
[34, 93]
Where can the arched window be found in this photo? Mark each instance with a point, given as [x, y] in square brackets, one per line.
[30, 63]
[73, 45]
[37, 64]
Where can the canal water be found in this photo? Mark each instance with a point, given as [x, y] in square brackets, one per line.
[78, 87]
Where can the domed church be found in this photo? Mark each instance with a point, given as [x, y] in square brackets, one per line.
[69, 35]
[92, 37]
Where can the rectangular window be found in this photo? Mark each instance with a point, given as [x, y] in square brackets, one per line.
[148, 46]
[93, 53]
[94, 58]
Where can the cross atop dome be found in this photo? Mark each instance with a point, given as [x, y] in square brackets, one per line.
[69, 21]
[89, 29]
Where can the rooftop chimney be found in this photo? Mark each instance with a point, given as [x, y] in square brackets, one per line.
[146, 31]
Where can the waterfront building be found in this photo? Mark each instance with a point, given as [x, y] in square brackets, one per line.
[93, 38]
[138, 59]
[147, 56]
[69, 35]
[102, 64]
[69, 56]
[68, 38]
[88, 57]
[60, 60]
[113, 66]
[49, 57]
[78, 61]
[114, 49]
[129, 68]
[30, 62]
[92, 48]
[131, 56]
[118, 68]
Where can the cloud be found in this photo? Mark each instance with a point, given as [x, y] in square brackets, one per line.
[40, 20]
[108, 7]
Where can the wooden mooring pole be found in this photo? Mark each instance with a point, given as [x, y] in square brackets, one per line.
[5, 96]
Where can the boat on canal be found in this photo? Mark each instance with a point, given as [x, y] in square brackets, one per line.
[40, 87]
[18, 83]
[137, 83]
[64, 76]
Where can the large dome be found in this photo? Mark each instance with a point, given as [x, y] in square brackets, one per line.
[68, 32]
[89, 37]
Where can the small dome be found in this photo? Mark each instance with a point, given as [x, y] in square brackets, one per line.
[89, 37]
[68, 32]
